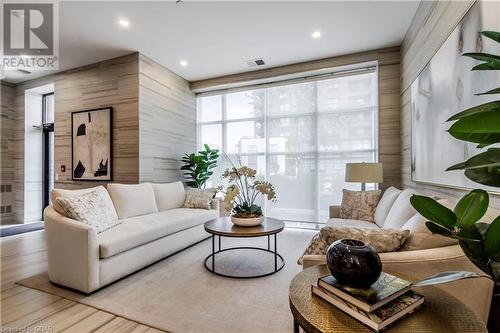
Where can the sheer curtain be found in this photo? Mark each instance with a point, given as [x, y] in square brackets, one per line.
[298, 136]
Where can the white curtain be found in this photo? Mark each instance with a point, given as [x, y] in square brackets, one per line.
[298, 136]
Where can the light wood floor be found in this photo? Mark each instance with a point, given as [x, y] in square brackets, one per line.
[27, 310]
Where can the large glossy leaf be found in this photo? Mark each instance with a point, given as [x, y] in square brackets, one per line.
[433, 210]
[471, 207]
[495, 35]
[474, 251]
[485, 176]
[489, 158]
[439, 229]
[487, 66]
[445, 277]
[482, 56]
[491, 61]
[490, 92]
[483, 108]
[492, 239]
[481, 128]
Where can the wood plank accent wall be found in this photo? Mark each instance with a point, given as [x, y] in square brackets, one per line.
[432, 24]
[389, 98]
[114, 83]
[7, 152]
[167, 122]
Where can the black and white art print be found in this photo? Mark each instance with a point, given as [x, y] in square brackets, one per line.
[91, 144]
[447, 86]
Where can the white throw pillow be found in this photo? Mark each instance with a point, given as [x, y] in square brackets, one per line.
[133, 200]
[401, 211]
[90, 208]
[60, 193]
[422, 238]
[384, 205]
[169, 196]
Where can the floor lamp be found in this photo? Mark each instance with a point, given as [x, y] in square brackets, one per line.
[364, 173]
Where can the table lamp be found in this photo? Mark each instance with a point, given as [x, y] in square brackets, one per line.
[364, 173]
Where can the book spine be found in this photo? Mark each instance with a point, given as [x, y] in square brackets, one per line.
[339, 293]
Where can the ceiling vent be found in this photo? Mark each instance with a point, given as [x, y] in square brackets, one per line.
[255, 62]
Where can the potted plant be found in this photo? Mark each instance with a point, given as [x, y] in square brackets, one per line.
[198, 167]
[241, 193]
[480, 125]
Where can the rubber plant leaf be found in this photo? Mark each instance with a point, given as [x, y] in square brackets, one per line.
[494, 35]
[483, 108]
[489, 158]
[439, 229]
[474, 251]
[487, 66]
[479, 128]
[492, 239]
[469, 210]
[433, 211]
[445, 277]
[485, 176]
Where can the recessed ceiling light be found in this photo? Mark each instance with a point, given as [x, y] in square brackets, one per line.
[184, 63]
[124, 22]
[316, 34]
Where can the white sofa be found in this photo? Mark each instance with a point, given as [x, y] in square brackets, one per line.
[153, 225]
[415, 263]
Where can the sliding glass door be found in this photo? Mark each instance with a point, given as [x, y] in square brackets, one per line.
[298, 136]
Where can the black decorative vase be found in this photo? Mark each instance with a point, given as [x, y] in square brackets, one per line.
[353, 263]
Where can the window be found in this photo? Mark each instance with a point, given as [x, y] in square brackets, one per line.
[299, 136]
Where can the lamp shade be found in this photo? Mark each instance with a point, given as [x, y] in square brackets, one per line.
[364, 172]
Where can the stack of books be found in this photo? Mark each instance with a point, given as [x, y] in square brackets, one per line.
[387, 300]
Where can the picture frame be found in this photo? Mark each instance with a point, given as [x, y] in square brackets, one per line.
[92, 145]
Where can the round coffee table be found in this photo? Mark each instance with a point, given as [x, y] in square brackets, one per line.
[441, 312]
[223, 227]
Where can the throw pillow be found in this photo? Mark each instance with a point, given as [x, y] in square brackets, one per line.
[384, 205]
[199, 198]
[382, 240]
[359, 205]
[401, 211]
[90, 208]
[61, 193]
[422, 238]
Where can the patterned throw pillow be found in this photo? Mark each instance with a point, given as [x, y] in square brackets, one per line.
[359, 205]
[90, 208]
[199, 198]
[382, 240]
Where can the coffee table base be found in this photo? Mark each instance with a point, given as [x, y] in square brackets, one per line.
[277, 265]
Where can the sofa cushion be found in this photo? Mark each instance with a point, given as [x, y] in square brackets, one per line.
[338, 222]
[384, 205]
[60, 193]
[94, 209]
[422, 238]
[382, 240]
[133, 200]
[169, 195]
[401, 211]
[359, 205]
[139, 230]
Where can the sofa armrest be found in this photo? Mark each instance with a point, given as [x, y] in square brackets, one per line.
[334, 211]
[476, 293]
[72, 252]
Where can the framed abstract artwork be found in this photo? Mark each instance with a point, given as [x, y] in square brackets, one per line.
[446, 86]
[91, 145]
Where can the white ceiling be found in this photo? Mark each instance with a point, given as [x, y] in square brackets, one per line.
[216, 38]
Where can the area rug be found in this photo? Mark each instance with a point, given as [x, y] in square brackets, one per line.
[178, 294]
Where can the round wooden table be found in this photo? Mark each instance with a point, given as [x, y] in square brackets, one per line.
[441, 312]
[223, 227]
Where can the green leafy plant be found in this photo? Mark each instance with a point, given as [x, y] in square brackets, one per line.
[479, 124]
[198, 167]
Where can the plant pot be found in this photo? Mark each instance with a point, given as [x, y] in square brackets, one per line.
[247, 221]
[353, 263]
